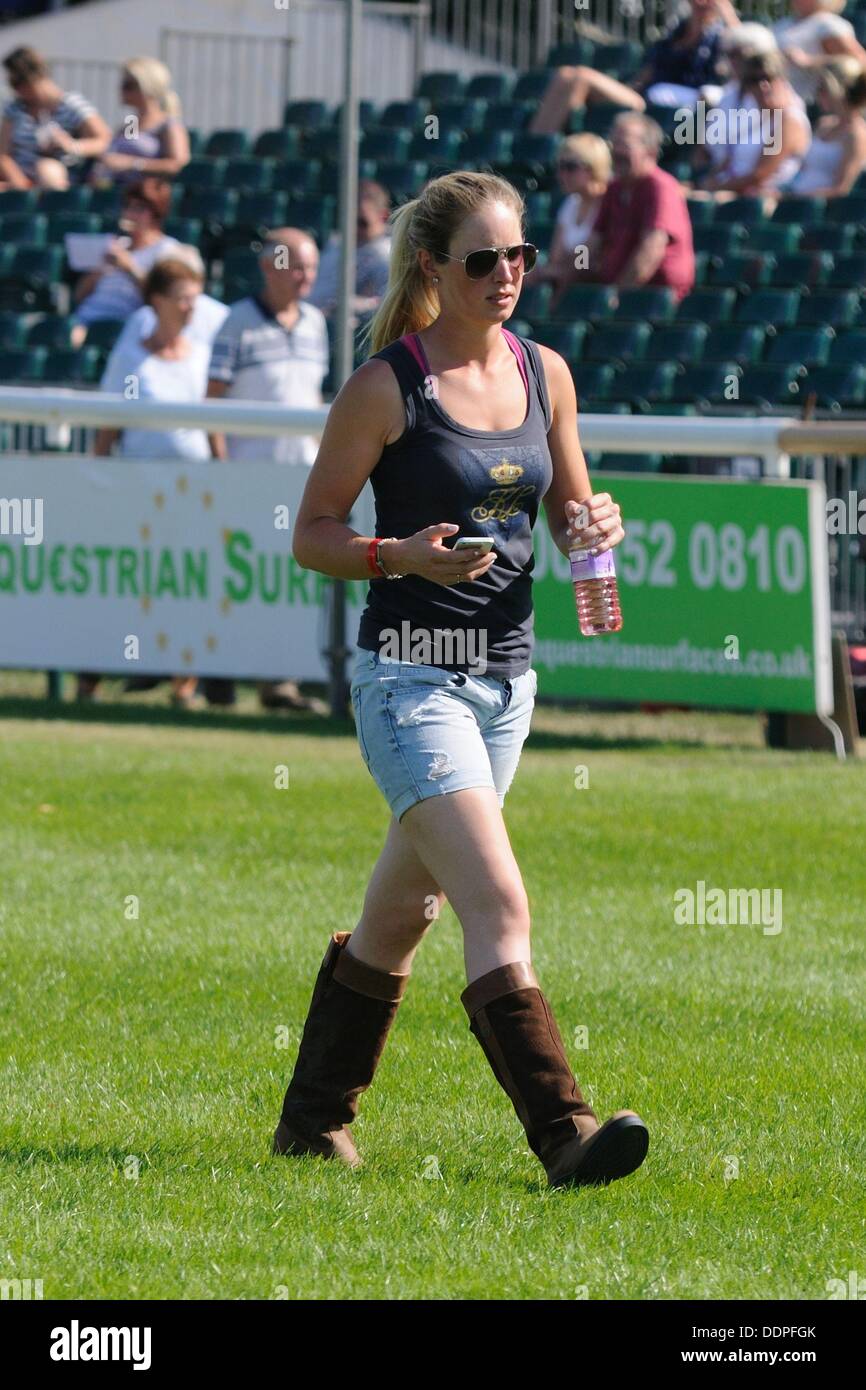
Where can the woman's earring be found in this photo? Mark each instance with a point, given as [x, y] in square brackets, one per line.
[435, 279]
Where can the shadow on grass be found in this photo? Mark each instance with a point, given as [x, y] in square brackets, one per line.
[129, 712]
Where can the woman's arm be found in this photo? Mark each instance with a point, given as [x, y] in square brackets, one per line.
[571, 490]
[10, 171]
[853, 162]
[174, 157]
[368, 409]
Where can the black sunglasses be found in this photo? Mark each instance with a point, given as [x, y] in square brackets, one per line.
[479, 264]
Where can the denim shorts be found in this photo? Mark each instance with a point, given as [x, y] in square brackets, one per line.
[424, 731]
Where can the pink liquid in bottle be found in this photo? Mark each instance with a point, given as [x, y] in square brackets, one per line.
[595, 592]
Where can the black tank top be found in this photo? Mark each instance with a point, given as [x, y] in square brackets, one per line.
[490, 483]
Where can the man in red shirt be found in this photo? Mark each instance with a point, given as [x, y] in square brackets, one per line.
[643, 233]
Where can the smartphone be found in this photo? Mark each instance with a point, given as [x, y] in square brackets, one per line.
[484, 543]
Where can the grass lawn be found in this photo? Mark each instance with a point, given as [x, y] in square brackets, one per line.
[141, 1074]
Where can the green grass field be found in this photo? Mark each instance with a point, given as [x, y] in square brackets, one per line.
[141, 1080]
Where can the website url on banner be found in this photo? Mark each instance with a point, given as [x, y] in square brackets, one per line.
[681, 656]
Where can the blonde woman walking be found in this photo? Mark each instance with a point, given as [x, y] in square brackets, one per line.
[463, 429]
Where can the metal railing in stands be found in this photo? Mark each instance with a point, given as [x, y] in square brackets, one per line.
[520, 33]
[833, 451]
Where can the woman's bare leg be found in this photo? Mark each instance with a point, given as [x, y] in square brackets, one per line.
[401, 902]
[462, 841]
[571, 88]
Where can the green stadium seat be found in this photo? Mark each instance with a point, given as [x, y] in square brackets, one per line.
[508, 115]
[249, 173]
[52, 331]
[463, 114]
[405, 115]
[573, 121]
[403, 178]
[702, 212]
[702, 266]
[298, 175]
[780, 238]
[565, 338]
[811, 346]
[13, 329]
[487, 147]
[34, 273]
[535, 149]
[710, 306]
[709, 383]
[722, 239]
[539, 205]
[578, 52]
[440, 86]
[651, 381]
[318, 214]
[585, 302]
[78, 198]
[623, 56]
[665, 116]
[593, 405]
[803, 270]
[743, 271]
[368, 119]
[593, 379]
[22, 364]
[838, 387]
[79, 366]
[768, 307]
[837, 238]
[445, 150]
[600, 116]
[735, 342]
[18, 200]
[803, 212]
[282, 143]
[306, 115]
[851, 209]
[60, 224]
[211, 205]
[241, 263]
[196, 140]
[521, 328]
[104, 334]
[656, 303]
[534, 302]
[227, 144]
[490, 86]
[848, 347]
[185, 229]
[838, 308]
[202, 173]
[849, 271]
[531, 86]
[749, 211]
[385, 144]
[677, 342]
[618, 342]
[25, 227]
[766, 384]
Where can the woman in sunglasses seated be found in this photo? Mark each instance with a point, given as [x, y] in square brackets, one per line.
[462, 429]
[584, 169]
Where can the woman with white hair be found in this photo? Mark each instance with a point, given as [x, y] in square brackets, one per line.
[811, 37]
[152, 141]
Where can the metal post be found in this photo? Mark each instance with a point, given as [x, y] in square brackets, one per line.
[338, 689]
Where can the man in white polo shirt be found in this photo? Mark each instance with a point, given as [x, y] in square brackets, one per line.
[273, 347]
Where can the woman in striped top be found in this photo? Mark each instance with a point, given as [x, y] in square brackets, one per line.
[47, 135]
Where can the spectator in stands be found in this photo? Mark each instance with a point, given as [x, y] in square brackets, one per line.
[811, 37]
[677, 69]
[643, 233]
[113, 290]
[273, 347]
[208, 316]
[584, 168]
[47, 135]
[770, 148]
[154, 140]
[372, 257]
[167, 366]
[837, 154]
[746, 41]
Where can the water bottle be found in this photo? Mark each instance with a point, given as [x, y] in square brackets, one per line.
[595, 591]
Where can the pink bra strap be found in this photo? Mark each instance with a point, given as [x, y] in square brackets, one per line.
[415, 346]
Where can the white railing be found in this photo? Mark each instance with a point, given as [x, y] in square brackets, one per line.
[772, 438]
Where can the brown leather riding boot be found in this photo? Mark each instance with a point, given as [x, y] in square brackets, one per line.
[350, 1014]
[512, 1021]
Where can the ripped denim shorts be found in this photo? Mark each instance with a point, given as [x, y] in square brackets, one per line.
[425, 731]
